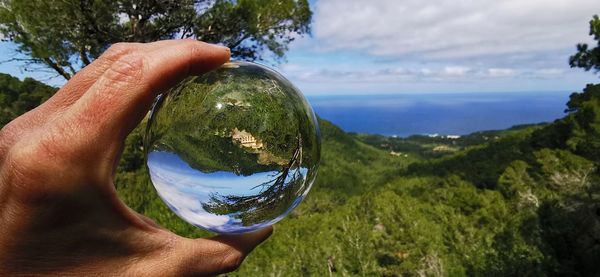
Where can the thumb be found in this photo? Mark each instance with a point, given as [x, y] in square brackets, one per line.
[212, 256]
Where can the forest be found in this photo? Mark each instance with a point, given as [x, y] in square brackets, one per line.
[522, 201]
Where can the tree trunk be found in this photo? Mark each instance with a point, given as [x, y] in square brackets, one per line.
[57, 68]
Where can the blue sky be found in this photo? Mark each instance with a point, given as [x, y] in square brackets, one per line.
[435, 46]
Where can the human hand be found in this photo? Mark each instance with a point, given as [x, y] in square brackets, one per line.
[59, 211]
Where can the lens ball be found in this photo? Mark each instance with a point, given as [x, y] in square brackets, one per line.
[233, 150]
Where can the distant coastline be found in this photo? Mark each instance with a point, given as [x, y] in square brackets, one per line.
[451, 114]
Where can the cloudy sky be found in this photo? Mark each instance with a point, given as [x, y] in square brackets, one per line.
[413, 46]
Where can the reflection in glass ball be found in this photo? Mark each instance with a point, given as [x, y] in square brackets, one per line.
[233, 150]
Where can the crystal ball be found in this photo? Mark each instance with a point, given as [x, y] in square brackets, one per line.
[232, 150]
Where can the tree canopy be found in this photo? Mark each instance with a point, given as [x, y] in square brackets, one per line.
[67, 35]
[17, 97]
[586, 57]
[522, 201]
[513, 204]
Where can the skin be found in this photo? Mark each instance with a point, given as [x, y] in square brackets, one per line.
[59, 211]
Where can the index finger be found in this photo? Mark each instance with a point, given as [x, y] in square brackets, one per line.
[122, 95]
[84, 79]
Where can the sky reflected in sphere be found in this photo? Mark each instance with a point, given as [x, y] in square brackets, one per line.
[233, 150]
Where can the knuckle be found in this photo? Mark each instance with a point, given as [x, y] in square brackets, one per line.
[34, 163]
[37, 152]
[24, 163]
[118, 50]
[18, 129]
[41, 149]
[126, 70]
[26, 176]
[193, 48]
[15, 127]
[7, 133]
[10, 134]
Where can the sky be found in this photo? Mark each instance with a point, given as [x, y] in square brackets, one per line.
[185, 190]
[435, 46]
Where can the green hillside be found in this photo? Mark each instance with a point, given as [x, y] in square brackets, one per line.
[523, 201]
[509, 206]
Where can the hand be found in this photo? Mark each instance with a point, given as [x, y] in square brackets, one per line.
[59, 211]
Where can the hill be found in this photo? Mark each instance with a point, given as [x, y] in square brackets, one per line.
[522, 202]
[18, 97]
[515, 202]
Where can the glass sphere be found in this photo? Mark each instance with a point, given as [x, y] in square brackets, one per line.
[233, 150]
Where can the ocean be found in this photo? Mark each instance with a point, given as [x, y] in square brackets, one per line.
[441, 113]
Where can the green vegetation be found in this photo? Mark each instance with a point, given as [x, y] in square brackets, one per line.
[521, 202]
[207, 112]
[438, 146]
[66, 35]
[18, 97]
[525, 203]
[586, 57]
[508, 206]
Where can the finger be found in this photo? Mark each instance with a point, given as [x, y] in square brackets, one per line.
[87, 76]
[72, 90]
[115, 104]
[82, 81]
[245, 242]
[216, 255]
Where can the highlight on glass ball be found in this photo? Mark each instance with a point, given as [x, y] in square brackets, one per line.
[233, 150]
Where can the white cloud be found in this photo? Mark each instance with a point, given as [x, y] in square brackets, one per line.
[450, 74]
[455, 71]
[550, 71]
[188, 205]
[440, 29]
[442, 45]
[501, 72]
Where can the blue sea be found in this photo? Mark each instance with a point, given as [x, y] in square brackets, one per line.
[441, 113]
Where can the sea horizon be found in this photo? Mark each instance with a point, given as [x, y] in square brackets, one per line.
[462, 113]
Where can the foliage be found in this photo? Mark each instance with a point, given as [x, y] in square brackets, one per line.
[439, 146]
[18, 97]
[518, 203]
[585, 122]
[586, 57]
[67, 35]
[371, 213]
[523, 201]
[249, 26]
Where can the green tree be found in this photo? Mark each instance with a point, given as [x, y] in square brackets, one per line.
[67, 35]
[576, 100]
[584, 121]
[586, 57]
[584, 107]
[515, 180]
[17, 97]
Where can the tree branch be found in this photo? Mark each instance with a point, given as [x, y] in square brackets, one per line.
[188, 28]
[15, 60]
[237, 43]
[73, 71]
[83, 56]
[57, 68]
